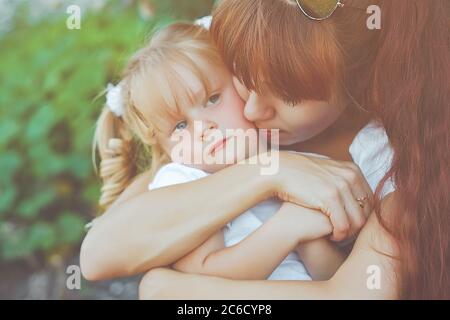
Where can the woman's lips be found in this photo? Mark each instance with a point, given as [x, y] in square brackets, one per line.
[218, 145]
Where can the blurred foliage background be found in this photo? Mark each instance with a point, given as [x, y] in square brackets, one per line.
[49, 79]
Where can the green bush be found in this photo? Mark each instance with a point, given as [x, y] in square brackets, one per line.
[49, 79]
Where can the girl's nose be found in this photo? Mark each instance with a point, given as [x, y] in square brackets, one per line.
[206, 128]
[258, 110]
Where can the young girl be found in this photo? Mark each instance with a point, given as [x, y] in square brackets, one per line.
[178, 85]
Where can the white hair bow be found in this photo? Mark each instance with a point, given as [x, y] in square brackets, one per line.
[114, 99]
[205, 22]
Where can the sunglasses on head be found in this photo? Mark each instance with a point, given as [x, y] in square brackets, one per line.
[319, 9]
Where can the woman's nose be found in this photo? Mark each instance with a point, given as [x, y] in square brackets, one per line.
[257, 110]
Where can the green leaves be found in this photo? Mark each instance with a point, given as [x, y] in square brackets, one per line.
[70, 228]
[40, 124]
[13, 243]
[8, 130]
[31, 207]
[49, 79]
[7, 198]
[41, 236]
[10, 163]
[185, 9]
[19, 242]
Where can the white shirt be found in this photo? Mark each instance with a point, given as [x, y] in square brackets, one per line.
[370, 150]
[373, 154]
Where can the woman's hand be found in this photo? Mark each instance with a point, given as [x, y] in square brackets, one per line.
[338, 189]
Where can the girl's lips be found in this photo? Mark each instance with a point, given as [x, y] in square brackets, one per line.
[218, 145]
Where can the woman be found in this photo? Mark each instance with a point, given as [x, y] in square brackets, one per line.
[320, 82]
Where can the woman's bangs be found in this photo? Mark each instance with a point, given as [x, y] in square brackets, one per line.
[266, 52]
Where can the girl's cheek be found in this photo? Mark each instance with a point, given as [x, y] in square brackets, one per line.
[234, 113]
[241, 90]
[231, 110]
[237, 103]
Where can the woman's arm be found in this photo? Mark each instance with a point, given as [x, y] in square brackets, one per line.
[257, 256]
[321, 257]
[147, 229]
[368, 273]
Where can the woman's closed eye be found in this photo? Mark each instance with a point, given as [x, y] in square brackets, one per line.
[213, 100]
[290, 103]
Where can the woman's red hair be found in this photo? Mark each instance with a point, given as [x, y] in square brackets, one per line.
[401, 74]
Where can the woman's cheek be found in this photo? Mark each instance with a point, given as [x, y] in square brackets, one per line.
[315, 121]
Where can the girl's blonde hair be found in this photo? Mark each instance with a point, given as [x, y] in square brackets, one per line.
[152, 90]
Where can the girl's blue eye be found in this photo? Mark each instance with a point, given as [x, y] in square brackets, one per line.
[181, 125]
[213, 99]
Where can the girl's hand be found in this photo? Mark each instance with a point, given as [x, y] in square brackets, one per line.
[335, 188]
[304, 223]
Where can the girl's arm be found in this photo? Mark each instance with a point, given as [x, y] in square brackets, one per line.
[148, 229]
[321, 257]
[257, 256]
[368, 273]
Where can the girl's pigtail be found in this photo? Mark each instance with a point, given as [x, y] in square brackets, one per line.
[117, 150]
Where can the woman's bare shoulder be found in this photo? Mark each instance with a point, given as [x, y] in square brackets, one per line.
[370, 270]
[374, 234]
